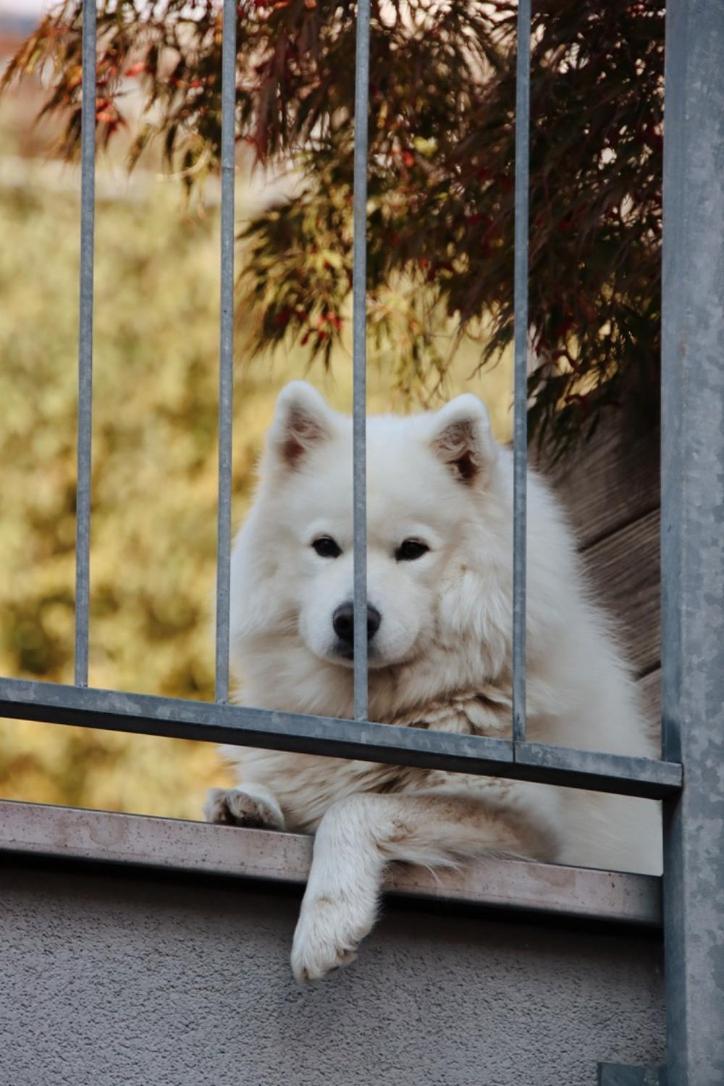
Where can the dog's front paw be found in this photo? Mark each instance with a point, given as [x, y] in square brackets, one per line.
[328, 933]
[250, 807]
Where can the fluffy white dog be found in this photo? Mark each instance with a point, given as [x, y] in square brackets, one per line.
[440, 641]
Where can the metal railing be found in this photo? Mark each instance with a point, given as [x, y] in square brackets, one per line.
[693, 522]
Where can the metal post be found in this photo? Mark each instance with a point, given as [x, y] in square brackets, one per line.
[359, 319]
[226, 346]
[693, 538]
[520, 299]
[85, 344]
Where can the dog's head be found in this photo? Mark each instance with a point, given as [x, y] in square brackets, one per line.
[426, 477]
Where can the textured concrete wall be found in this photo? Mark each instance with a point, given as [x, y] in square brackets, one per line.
[130, 980]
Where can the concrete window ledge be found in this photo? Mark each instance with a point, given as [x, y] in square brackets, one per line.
[168, 844]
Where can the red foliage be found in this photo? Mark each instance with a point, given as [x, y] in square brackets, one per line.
[441, 165]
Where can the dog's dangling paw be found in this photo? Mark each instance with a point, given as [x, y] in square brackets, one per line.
[326, 938]
[250, 807]
[305, 971]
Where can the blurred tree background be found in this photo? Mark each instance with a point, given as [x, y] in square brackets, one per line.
[441, 172]
[154, 461]
[440, 306]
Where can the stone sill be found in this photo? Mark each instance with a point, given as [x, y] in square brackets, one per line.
[68, 833]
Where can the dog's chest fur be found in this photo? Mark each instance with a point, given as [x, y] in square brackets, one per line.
[306, 785]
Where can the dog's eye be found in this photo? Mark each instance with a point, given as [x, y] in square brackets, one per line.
[410, 549]
[326, 547]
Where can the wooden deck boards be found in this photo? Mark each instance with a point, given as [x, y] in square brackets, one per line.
[611, 491]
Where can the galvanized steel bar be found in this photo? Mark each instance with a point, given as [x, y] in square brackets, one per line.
[174, 717]
[692, 538]
[359, 320]
[85, 344]
[226, 346]
[520, 302]
[586, 766]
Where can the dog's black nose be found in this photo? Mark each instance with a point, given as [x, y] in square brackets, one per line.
[343, 622]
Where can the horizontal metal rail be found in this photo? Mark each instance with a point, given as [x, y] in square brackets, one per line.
[240, 726]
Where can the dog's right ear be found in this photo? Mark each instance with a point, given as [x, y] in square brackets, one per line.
[462, 438]
[302, 420]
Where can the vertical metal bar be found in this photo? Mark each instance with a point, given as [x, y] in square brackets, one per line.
[85, 344]
[520, 302]
[226, 346]
[692, 539]
[359, 319]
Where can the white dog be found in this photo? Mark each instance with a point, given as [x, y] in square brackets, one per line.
[439, 632]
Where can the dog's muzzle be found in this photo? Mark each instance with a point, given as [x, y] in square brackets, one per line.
[343, 625]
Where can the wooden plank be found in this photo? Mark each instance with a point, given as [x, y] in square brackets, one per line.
[609, 482]
[610, 488]
[625, 572]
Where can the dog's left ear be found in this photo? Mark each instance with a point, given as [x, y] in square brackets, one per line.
[462, 438]
[301, 421]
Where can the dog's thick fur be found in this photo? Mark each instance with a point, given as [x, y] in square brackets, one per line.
[441, 658]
